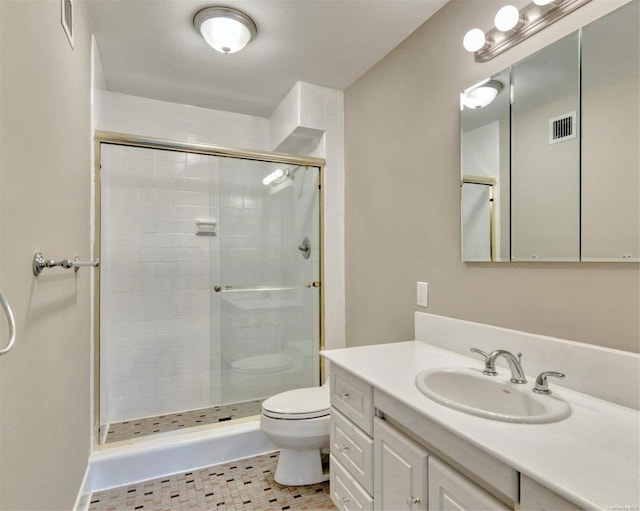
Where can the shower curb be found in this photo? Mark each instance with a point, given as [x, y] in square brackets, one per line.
[173, 453]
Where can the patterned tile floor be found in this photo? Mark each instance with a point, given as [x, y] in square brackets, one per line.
[245, 485]
[170, 422]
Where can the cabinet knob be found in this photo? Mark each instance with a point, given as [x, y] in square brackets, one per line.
[413, 500]
[345, 499]
[344, 447]
[344, 394]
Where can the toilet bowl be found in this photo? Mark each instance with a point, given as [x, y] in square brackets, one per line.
[297, 421]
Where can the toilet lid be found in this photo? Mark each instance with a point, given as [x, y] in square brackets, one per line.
[305, 403]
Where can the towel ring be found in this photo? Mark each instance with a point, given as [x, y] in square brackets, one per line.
[12, 325]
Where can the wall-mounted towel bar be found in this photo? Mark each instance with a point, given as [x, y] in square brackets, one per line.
[40, 263]
[12, 325]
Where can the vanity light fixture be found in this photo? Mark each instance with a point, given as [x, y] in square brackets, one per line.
[481, 94]
[513, 26]
[224, 29]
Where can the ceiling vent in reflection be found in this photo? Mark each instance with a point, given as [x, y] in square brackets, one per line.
[562, 128]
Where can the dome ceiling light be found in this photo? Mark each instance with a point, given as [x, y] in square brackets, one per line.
[481, 95]
[224, 29]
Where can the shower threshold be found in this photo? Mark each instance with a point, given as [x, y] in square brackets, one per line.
[136, 428]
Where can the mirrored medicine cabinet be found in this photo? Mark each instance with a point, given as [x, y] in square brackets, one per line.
[550, 151]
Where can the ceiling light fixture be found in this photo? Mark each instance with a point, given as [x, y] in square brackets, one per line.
[481, 95]
[224, 29]
[512, 26]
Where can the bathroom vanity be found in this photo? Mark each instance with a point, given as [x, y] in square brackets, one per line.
[394, 448]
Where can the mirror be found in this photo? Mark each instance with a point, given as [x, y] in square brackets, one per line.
[551, 167]
[485, 170]
[545, 155]
[610, 134]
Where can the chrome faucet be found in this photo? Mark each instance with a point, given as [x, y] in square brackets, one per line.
[515, 364]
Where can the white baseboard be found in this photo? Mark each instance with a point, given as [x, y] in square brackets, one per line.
[84, 495]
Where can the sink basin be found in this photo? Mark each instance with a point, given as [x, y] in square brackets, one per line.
[492, 397]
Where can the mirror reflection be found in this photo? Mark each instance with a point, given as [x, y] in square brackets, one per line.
[551, 169]
[610, 134]
[485, 170]
[545, 155]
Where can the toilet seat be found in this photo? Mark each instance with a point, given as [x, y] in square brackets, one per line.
[299, 404]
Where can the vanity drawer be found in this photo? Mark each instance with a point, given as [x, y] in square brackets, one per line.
[353, 397]
[346, 493]
[353, 449]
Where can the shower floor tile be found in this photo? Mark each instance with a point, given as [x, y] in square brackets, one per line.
[172, 421]
[246, 485]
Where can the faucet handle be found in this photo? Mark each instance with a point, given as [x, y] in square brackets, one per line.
[489, 370]
[542, 386]
[476, 350]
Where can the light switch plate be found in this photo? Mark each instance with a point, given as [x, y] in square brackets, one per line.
[422, 291]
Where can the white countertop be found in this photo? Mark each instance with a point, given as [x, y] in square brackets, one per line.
[592, 458]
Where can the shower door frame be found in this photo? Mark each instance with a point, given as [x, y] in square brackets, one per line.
[124, 139]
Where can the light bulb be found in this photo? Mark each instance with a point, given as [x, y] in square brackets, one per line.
[474, 40]
[276, 174]
[225, 35]
[507, 18]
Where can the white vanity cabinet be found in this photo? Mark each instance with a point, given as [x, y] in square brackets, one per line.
[390, 464]
[400, 470]
[589, 460]
[351, 442]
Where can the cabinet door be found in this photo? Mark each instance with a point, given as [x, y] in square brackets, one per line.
[400, 470]
[535, 497]
[451, 491]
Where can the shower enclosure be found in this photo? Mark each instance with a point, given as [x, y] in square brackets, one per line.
[209, 286]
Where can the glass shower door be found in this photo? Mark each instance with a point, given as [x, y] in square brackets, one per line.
[265, 284]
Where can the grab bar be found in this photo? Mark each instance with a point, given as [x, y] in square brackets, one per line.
[40, 263]
[12, 325]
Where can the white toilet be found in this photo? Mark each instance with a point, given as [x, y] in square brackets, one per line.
[297, 421]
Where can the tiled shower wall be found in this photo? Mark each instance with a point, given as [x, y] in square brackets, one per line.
[155, 300]
[167, 341]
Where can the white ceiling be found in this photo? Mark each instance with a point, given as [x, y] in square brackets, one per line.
[149, 48]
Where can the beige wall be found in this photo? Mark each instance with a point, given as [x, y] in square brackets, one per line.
[45, 411]
[402, 203]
